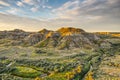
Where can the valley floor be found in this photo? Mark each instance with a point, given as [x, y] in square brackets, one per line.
[30, 63]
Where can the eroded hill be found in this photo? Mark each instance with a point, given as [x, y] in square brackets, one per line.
[63, 38]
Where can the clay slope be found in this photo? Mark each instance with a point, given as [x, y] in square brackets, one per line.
[63, 38]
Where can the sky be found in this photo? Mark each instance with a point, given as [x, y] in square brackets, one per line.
[34, 15]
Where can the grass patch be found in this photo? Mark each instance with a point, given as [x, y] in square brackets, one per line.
[26, 72]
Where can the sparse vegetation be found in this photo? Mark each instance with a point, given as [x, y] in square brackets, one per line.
[71, 55]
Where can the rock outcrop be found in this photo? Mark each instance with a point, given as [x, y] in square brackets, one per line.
[63, 38]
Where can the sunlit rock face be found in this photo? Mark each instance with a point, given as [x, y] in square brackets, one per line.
[70, 31]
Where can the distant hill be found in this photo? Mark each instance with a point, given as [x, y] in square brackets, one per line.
[63, 38]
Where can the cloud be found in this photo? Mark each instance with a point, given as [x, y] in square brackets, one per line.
[88, 2]
[27, 1]
[67, 10]
[37, 4]
[30, 2]
[4, 3]
[74, 10]
[94, 17]
[34, 9]
[91, 15]
[1, 7]
[88, 9]
[20, 4]
[44, 6]
[8, 22]
[13, 11]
